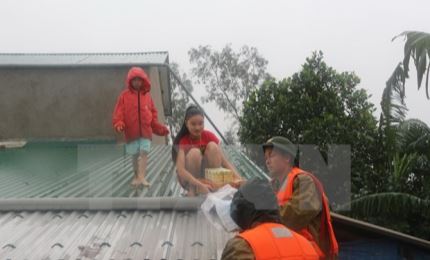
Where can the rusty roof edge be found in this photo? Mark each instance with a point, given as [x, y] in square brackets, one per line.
[98, 204]
[381, 230]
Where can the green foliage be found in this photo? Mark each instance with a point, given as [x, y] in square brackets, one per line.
[388, 204]
[390, 162]
[403, 203]
[413, 143]
[395, 210]
[393, 98]
[413, 135]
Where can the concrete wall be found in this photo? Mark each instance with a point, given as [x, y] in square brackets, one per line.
[69, 103]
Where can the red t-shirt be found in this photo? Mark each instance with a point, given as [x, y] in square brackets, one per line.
[186, 143]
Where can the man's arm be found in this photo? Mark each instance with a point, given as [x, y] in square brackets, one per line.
[237, 249]
[304, 206]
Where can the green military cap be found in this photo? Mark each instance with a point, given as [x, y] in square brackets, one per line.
[282, 144]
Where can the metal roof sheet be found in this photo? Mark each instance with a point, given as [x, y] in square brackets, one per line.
[82, 59]
[93, 170]
[109, 235]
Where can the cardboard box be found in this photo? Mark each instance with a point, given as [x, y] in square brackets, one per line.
[219, 176]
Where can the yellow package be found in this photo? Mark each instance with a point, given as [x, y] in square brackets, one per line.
[219, 176]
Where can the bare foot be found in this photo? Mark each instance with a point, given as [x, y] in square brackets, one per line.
[145, 183]
[190, 193]
[134, 183]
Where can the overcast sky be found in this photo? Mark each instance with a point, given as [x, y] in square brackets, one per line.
[354, 35]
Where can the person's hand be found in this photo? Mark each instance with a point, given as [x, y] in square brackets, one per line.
[204, 188]
[119, 127]
[237, 182]
[165, 131]
[159, 129]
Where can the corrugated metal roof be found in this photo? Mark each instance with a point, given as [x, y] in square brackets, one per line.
[82, 59]
[92, 170]
[109, 235]
[101, 170]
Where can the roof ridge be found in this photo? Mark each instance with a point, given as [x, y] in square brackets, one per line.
[81, 53]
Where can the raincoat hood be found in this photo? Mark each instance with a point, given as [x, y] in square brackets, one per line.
[140, 73]
[255, 201]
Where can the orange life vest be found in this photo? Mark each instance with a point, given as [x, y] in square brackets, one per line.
[276, 242]
[326, 228]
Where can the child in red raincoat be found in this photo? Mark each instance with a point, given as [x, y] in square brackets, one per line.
[136, 115]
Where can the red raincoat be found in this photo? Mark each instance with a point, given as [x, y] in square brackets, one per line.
[135, 110]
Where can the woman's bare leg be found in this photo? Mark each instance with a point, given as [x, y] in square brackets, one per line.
[193, 162]
[213, 155]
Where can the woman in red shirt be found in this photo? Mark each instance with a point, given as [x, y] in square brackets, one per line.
[195, 149]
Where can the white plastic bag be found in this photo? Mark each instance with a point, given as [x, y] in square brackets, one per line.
[216, 208]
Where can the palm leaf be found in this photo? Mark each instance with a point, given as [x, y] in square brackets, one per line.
[402, 169]
[393, 98]
[417, 47]
[413, 136]
[387, 204]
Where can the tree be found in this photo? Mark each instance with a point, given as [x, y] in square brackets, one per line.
[414, 142]
[228, 77]
[417, 47]
[393, 113]
[405, 143]
[316, 106]
[179, 98]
